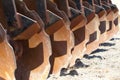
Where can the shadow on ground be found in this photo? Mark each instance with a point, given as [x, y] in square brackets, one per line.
[107, 44]
[92, 57]
[99, 50]
[115, 39]
[72, 70]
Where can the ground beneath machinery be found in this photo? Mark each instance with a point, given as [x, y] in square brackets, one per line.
[104, 63]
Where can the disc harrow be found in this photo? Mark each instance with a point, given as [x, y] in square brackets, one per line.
[43, 37]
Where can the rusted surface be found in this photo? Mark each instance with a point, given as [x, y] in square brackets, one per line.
[40, 37]
[34, 62]
[53, 8]
[19, 25]
[110, 18]
[33, 59]
[71, 38]
[103, 20]
[60, 35]
[7, 58]
[92, 31]
[77, 26]
[36, 51]
[116, 15]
